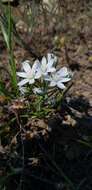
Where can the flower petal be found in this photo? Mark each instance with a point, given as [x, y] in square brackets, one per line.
[31, 81]
[51, 59]
[35, 66]
[51, 70]
[65, 79]
[26, 66]
[49, 55]
[22, 74]
[63, 72]
[38, 74]
[53, 83]
[61, 85]
[21, 83]
[44, 64]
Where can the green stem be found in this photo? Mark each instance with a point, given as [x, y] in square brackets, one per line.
[10, 51]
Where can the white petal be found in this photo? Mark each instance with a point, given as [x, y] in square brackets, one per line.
[21, 83]
[35, 66]
[44, 61]
[52, 83]
[65, 79]
[51, 59]
[61, 85]
[50, 63]
[38, 74]
[63, 72]
[26, 66]
[36, 61]
[22, 74]
[51, 70]
[49, 55]
[43, 64]
[31, 81]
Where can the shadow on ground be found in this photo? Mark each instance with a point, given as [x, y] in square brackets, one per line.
[62, 160]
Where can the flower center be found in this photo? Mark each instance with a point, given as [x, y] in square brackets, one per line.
[30, 75]
[56, 78]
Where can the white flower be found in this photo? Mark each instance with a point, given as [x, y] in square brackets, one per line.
[30, 74]
[38, 91]
[46, 65]
[59, 77]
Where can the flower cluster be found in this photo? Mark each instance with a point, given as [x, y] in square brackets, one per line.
[44, 71]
